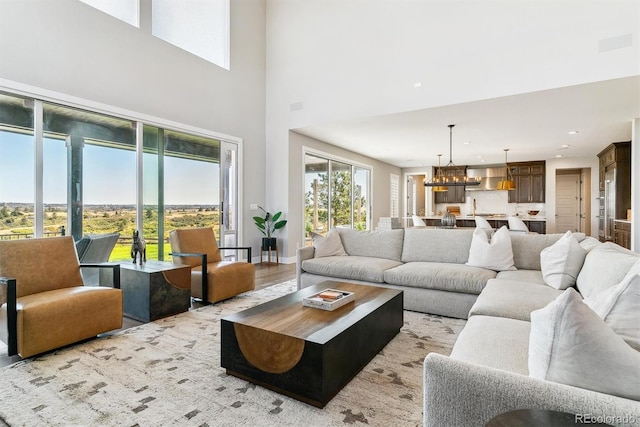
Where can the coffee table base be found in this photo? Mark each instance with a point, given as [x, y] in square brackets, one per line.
[323, 369]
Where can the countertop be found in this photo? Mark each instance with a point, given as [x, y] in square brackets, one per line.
[626, 221]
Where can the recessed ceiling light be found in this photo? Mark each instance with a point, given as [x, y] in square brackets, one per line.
[558, 155]
[482, 160]
[573, 132]
[565, 146]
[417, 84]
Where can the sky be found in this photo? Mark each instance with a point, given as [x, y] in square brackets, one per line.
[109, 175]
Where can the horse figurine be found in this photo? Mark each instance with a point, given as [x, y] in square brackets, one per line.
[138, 246]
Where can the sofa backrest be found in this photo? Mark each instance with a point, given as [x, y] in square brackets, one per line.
[378, 244]
[527, 247]
[437, 245]
[604, 266]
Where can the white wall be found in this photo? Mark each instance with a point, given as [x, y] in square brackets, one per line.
[70, 48]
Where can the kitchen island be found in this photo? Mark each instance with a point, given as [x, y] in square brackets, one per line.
[537, 224]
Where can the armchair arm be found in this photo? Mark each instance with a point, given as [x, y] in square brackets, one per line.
[458, 393]
[114, 266]
[247, 248]
[12, 313]
[205, 278]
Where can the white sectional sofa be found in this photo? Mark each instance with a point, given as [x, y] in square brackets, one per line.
[429, 265]
[492, 368]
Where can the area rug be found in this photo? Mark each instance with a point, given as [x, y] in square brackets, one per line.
[168, 373]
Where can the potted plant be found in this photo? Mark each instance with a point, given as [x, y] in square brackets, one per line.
[268, 225]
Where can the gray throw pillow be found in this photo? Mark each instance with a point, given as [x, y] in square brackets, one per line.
[329, 246]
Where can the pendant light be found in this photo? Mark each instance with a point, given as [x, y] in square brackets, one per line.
[439, 178]
[459, 177]
[507, 182]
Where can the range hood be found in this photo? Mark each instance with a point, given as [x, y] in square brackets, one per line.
[490, 177]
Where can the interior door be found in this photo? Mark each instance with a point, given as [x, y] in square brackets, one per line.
[568, 203]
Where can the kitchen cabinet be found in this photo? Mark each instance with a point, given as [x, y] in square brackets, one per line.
[615, 187]
[622, 233]
[529, 178]
[454, 194]
[536, 226]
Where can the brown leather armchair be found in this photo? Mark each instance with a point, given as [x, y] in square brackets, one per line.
[212, 279]
[44, 303]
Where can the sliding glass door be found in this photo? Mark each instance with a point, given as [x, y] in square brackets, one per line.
[336, 195]
[72, 171]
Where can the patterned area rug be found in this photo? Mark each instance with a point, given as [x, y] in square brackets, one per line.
[168, 373]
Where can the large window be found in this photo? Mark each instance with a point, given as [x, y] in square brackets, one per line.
[336, 195]
[72, 171]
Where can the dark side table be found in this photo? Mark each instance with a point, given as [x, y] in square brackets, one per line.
[539, 418]
[155, 289]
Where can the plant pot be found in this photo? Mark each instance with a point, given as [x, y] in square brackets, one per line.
[269, 243]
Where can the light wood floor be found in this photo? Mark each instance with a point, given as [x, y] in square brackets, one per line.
[266, 275]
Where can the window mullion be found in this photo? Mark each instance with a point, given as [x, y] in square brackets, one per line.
[38, 135]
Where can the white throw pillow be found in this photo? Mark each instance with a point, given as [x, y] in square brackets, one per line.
[619, 307]
[561, 262]
[570, 344]
[605, 266]
[329, 246]
[496, 254]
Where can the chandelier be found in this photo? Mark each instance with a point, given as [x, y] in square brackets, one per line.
[458, 177]
[507, 182]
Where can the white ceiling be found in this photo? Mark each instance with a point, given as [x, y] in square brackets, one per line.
[533, 126]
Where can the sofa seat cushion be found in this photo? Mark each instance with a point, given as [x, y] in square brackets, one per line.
[496, 342]
[512, 299]
[531, 276]
[350, 267]
[442, 276]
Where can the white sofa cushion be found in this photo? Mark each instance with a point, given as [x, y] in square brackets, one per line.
[562, 261]
[619, 306]
[495, 254]
[604, 266]
[376, 244]
[328, 246]
[570, 344]
[482, 223]
[438, 275]
[367, 269]
[516, 224]
[512, 299]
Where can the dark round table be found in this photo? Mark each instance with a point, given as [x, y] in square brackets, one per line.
[539, 418]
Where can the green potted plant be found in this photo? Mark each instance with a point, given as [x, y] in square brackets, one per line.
[268, 225]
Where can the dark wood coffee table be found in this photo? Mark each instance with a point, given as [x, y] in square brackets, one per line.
[308, 353]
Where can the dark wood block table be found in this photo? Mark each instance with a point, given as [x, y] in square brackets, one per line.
[308, 353]
[155, 289]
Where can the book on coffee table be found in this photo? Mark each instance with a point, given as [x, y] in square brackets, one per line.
[328, 299]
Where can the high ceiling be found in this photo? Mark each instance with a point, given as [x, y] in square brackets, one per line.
[533, 126]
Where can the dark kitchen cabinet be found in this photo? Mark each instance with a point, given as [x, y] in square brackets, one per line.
[529, 178]
[454, 194]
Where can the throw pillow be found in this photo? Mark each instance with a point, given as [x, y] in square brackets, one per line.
[561, 262]
[570, 344]
[605, 266]
[619, 307]
[329, 246]
[496, 254]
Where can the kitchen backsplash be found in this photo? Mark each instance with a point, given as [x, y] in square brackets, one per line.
[490, 202]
